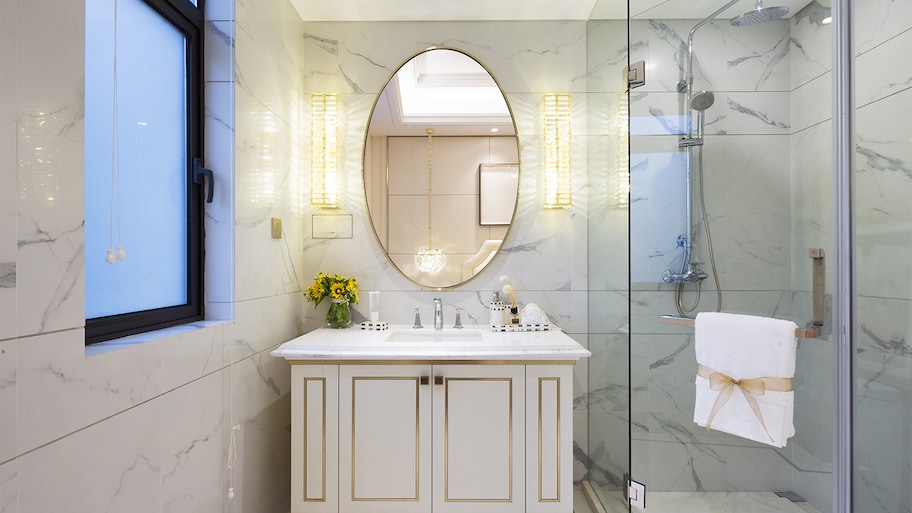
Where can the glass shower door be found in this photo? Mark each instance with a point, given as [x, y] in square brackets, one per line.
[729, 194]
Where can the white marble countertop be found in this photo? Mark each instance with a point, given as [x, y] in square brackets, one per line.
[401, 342]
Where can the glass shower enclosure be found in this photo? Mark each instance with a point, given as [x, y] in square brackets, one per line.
[733, 198]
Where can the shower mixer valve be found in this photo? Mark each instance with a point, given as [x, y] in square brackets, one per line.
[693, 275]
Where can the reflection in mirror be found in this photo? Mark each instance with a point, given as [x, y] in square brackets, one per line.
[441, 166]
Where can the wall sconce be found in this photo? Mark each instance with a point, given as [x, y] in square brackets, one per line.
[324, 151]
[556, 149]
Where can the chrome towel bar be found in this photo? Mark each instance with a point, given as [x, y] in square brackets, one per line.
[812, 332]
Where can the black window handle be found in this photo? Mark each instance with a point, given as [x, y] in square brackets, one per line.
[198, 173]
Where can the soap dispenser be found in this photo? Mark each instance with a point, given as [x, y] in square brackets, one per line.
[497, 311]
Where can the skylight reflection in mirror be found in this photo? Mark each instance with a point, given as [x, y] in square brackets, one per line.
[443, 87]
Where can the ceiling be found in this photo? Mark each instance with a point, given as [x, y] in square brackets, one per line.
[471, 10]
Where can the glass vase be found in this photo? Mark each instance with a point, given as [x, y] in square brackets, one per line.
[339, 314]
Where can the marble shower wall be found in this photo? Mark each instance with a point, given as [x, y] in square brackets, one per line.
[545, 252]
[747, 189]
[748, 168]
[141, 424]
[884, 255]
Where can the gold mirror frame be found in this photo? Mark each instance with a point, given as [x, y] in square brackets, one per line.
[376, 172]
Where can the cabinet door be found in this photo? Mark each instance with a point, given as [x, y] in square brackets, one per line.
[479, 438]
[549, 436]
[314, 439]
[384, 438]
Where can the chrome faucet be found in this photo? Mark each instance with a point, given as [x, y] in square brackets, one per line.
[438, 313]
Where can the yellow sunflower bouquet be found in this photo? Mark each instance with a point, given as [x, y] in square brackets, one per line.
[341, 291]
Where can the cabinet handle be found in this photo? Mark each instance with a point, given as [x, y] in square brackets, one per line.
[424, 380]
[438, 380]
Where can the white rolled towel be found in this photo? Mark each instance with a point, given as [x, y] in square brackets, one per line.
[532, 314]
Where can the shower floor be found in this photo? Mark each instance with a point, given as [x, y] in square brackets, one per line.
[692, 502]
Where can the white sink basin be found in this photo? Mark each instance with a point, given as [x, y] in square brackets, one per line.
[418, 336]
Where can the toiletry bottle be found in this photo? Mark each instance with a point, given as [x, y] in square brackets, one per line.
[497, 311]
[374, 296]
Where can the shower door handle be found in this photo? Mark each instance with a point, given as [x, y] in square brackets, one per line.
[818, 286]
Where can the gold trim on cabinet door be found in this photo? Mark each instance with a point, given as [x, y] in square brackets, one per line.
[446, 445]
[540, 425]
[323, 432]
[417, 381]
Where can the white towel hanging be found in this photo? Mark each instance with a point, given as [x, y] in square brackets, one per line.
[753, 359]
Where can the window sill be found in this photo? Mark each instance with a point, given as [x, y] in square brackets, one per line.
[151, 336]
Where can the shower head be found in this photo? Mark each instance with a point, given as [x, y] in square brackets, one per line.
[759, 15]
[702, 101]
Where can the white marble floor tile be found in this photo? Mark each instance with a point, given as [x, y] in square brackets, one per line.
[697, 502]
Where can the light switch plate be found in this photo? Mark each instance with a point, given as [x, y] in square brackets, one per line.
[276, 228]
[327, 226]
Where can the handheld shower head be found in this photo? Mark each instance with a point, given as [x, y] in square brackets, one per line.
[759, 15]
[702, 101]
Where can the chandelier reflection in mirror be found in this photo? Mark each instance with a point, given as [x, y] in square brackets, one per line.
[429, 259]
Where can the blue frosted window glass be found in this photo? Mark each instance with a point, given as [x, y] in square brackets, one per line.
[142, 203]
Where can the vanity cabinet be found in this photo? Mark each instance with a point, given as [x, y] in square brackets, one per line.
[431, 437]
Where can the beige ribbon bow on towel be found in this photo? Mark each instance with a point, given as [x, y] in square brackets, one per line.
[725, 385]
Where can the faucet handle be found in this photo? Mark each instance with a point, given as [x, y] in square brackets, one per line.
[458, 324]
[417, 325]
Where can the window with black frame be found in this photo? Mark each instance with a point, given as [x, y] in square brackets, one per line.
[143, 205]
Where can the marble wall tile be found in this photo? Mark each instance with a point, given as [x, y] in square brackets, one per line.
[811, 43]
[9, 487]
[814, 401]
[9, 72]
[196, 426]
[49, 274]
[884, 383]
[879, 20]
[607, 55]
[880, 464]
[220, 237]
[50, 88]
[219, 47]
[264, 81]
[220, 10]
[884, 187]
[725, 58]
[276, 29]
[609, 451]
[9, 407]
[60, 390]
[113, 465]
[749, 113]
[263, 323]
[194, 354]
[264, 181]
[880, 81]
[8, 232]
[811, 102]
[263, 410]
[608, 375]
[360, 57]
[812, 200]
[685, 466]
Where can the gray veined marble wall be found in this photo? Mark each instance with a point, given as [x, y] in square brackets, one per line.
[545, 252]
[145, 427]
[884, 255]
[763, 192]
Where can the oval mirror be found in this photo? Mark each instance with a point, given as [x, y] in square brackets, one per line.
[441, 168]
